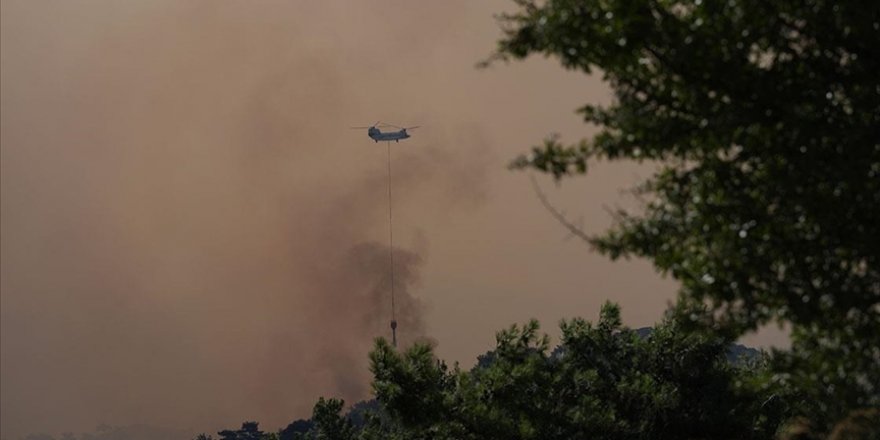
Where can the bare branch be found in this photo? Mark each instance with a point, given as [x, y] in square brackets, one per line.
[559, 216]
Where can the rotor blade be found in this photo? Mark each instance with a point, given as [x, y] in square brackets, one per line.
[371, 126]
[402, 128]
[358, 127]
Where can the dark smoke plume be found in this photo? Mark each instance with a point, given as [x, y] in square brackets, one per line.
[191, 236]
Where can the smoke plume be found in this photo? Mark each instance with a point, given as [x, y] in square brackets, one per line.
[191, 236]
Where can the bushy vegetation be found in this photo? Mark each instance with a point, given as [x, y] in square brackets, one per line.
[763, 120]
[602, 381]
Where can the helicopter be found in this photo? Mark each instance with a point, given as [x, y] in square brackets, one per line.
[376, 134]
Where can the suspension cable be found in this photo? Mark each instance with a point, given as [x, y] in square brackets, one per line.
[391, 253]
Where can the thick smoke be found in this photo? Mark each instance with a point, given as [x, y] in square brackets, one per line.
[190, 235]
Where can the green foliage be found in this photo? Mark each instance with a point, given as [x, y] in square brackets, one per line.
[834, 372]
[412, 383]
[604, 381]
[296, 430]
[329, 424]
[764, 118]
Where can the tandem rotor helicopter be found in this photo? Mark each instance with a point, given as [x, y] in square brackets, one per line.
[377, 135]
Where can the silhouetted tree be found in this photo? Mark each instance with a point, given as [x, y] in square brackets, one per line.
[296, 430]
[764, 119]
[248, 431]
[329, 423]
[605, 382]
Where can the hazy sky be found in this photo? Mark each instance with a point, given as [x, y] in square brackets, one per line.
[192, 236]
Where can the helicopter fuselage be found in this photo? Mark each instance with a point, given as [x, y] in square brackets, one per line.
[377, 135]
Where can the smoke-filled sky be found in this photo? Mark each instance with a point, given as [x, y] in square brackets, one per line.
[192, 236]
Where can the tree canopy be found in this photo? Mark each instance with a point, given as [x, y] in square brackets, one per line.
[604, 381]
[764, 121]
